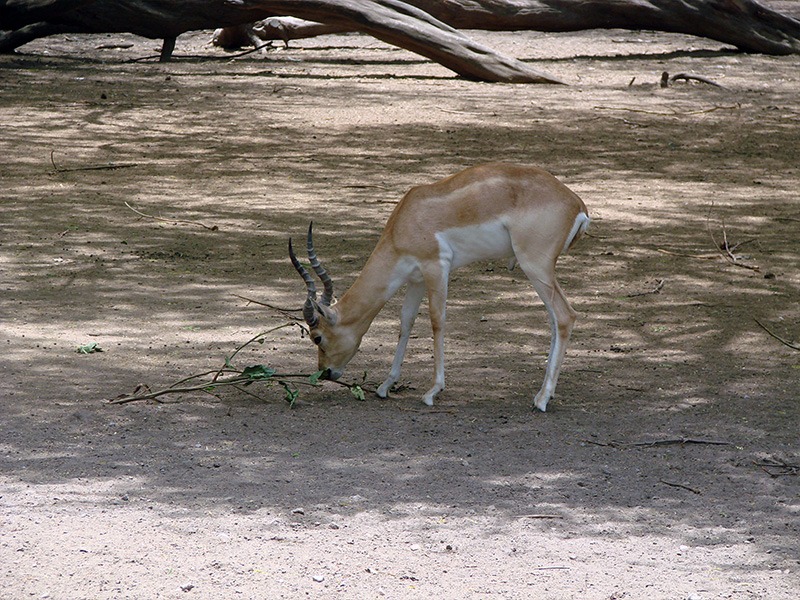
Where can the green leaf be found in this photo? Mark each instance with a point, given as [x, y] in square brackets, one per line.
[90, 348]
[313, 379]
[291, 393]
[357, 392]
[258, 372]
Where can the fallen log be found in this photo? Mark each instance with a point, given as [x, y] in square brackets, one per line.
[392, 21]
[745, 24]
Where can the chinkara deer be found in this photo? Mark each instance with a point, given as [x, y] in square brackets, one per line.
[486, 212]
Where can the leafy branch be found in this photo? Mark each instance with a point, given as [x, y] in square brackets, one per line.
[229, 375]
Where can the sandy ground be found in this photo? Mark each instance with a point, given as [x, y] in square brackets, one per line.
[237, 496]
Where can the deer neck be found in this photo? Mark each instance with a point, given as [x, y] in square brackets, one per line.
[376, 284]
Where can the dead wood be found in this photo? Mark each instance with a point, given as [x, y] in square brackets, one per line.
[745, 24]
[106, 167]
[693, 77]
[656, 289]
[726, 250]
[175, 221]
[392, 21]
[777, 468]
[657, 443]
[783, 341]
[681, 486]
[425, 27]
[272, 29]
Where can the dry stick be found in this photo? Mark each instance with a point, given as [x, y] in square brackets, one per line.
[141, 214]
[247, 343]
[429, 411]
[700, 78]
[724, 248]
[655, 290]
[680, 485]
[178, 390]
[783, 341]
[701, 256]
[234, 381]
[675, 113]
[113, 46]
[89, 168]
[654, 443]
[204, 387]
[681, 441]
[203, 56]
[784, 467]
[278, 308]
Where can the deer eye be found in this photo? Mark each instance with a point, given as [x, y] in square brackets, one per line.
[317, 339]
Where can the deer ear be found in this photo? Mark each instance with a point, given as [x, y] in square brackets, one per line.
[326, 313]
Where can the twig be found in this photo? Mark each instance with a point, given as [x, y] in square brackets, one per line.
[208, 57]
[280, 309]
[655, 290]
[108, 166]
[205, 386]
[687, 255]
[366, 186]
[680, 485]
[239, 378]
[255, 338]
[258, 48]
[669, 114]
[681, 442]
[141, 214]
[113, 46]
[654, 443]
[724, 249]
[783, 341]
[431, 411]
[783, 467]
[700, 78]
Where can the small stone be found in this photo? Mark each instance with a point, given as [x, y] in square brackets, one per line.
[333, 526]
[298, 511]
[318, 578]
[415, 547]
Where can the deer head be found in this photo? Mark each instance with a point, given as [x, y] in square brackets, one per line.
[336, 345]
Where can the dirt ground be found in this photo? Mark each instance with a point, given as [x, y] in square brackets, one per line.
[237, 496]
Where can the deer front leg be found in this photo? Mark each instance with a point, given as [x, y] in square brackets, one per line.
[437, 300]
[414, 294]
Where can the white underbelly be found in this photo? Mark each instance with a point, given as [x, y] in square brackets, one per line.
[464, 245]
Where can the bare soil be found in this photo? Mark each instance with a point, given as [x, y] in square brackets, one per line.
[237, 495]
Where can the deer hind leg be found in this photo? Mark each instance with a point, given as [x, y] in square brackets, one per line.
[414, 295]
[562, 318]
